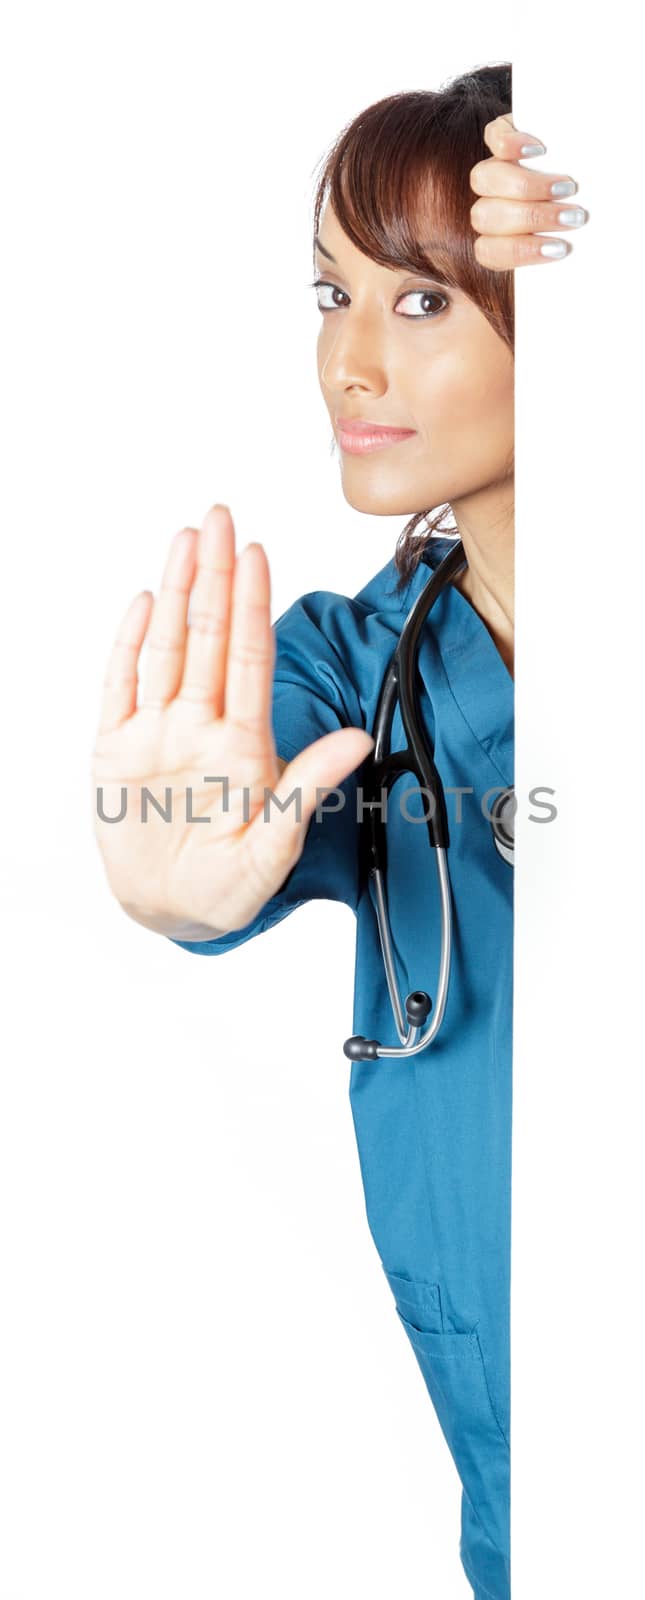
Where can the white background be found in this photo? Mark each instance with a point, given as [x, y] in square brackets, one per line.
[204, 1388]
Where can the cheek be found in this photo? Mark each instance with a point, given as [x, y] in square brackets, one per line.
[322, 343]
[459, 391]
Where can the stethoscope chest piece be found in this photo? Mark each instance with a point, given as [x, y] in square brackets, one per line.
[502, 821]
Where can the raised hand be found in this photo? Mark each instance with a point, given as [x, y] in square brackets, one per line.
[204, 711]
[517, 204]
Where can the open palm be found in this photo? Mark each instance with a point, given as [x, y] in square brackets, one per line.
[219, 851]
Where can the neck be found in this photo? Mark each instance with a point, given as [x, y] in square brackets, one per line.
[486, 527]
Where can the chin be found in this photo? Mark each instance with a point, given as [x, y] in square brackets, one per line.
[375, 500]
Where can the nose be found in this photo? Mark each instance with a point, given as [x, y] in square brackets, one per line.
[353, 357]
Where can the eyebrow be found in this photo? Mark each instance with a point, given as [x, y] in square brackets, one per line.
[324, 252]
[438, 276]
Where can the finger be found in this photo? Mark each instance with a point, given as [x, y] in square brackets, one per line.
[494, 177]
[505, 140]
[166, 641]
[517, 250]
[251, 646]
[119, 696]
[498, 216]
[204, 675]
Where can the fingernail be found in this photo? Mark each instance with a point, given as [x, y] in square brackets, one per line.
[535, 149]
[555, 247]
[564, 186]
[573, 217]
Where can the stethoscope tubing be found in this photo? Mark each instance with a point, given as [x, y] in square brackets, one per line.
[383, 767]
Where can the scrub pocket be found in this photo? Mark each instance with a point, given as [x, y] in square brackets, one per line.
[453, 1369]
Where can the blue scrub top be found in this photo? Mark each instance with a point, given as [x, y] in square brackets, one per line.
[434, 1131]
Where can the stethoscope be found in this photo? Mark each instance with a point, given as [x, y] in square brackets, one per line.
[382, 768]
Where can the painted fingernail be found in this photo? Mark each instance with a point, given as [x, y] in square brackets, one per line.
[562, 187]
[535, 149]
[555, 247]
[572, 217]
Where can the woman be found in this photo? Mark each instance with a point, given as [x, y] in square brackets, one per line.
[416, 295]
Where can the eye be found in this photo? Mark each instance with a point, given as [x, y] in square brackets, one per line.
[424, 295]
[330, 289]
[324, 288]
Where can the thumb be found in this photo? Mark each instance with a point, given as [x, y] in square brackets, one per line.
[323, 765]
[311, 776]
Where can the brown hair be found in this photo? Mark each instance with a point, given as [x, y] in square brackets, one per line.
[401, 151]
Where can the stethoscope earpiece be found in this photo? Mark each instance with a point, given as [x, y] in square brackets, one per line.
[418, 1005]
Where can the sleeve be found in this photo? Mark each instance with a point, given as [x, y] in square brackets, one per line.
[313, 694]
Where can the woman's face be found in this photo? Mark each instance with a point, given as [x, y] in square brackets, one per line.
[400, 350]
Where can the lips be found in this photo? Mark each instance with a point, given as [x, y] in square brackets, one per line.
[362, 429]
[358, 437]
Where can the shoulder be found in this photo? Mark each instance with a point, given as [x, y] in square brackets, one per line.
[335, 616]
[327, 643]
[338, 616]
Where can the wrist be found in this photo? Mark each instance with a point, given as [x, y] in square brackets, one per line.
[171, 927]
